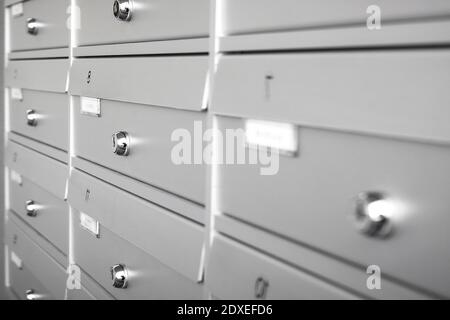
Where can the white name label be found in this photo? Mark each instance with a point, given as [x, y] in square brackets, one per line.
[90, 224]
[90, 106]
[16, 177]
[16, 94]
[16, 260]
[17, 9]
[282, 137]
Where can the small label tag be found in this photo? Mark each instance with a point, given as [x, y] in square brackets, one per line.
[17, 9]
[90, 106]
[16, 177]
[282, 137]
[16, 260]
[16, 94]
[90, 224]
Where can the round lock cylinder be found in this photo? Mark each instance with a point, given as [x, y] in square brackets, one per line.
[121, 143]
[31, 208]
[31, 118]
[372, 214]
[122, 9]
[32, 26]
[119, 276]
[30, 294]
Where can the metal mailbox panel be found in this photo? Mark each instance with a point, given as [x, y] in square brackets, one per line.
[394, 93]
[43, 75]
[236, 271]
[253, 16]
[90, 290]
[173, 82]
[22, 281]
[36, 167]
[51, 217]
[145, 225]
[51, 22]
[51, 111]
[150, 20]
[148, 278]
[36, 266]
[150, 131]
[311, 199]
[79, 294]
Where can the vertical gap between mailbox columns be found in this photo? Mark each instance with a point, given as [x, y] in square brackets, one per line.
[72, 43]
[212, 173]
[6, 127]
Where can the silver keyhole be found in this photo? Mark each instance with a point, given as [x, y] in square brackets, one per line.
[31, 118]
[31, 208]
[372, 214]
[32, 26]
[121, 143]
[122, 9]
[119, 276]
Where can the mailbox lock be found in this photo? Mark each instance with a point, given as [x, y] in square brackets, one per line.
[32, 26]
[31, 118]
[31, 295]
[122, 9]
[119, 276]
[121, 143]
[372, 214]
[30, 208]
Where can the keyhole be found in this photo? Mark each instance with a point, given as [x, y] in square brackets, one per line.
[15, 73]
[261, 286]
[89, 77]
[87, 195]
[15, 238]
[268, 79]
[15, 157]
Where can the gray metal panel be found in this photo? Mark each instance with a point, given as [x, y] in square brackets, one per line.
[327, 267]
[22, 280]
[234, 269]
[40, 241]
[396, 93]
[151, 20]
[149, 279]
[53, 31]
[45, 75]
[52, 219]
[51, 275]
[150, 130]
[312, 196]
[176, 82]
[164, 199]
[253, 16]
[143, 224]
[52, 110]
[90, 290]
[79, 294]
[54, 153]
[37, 168]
